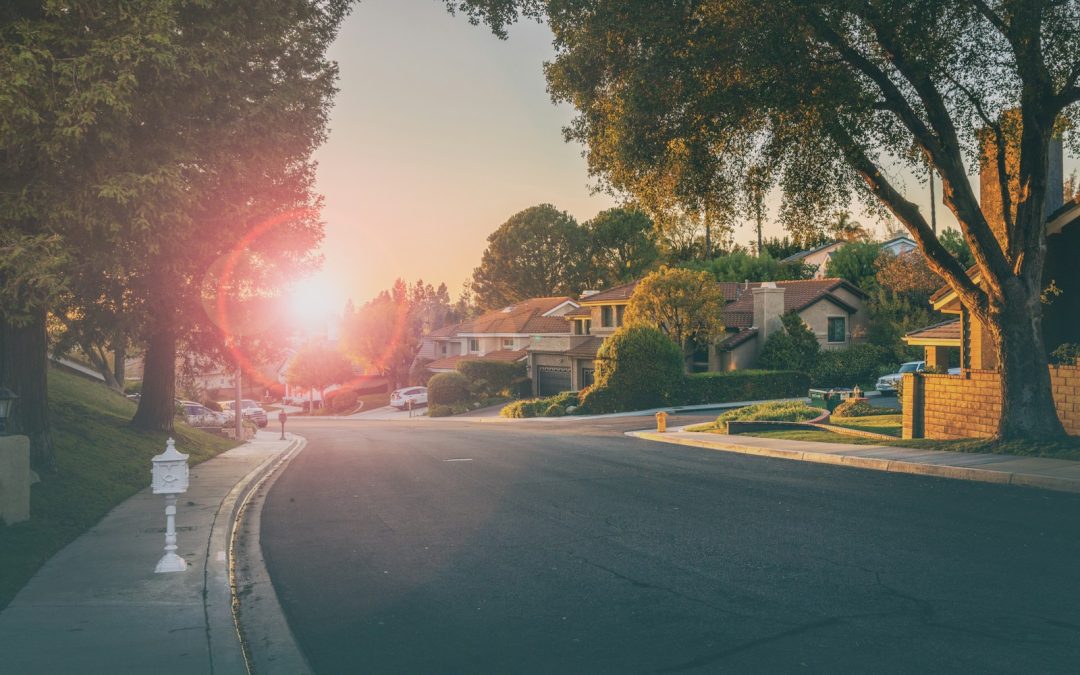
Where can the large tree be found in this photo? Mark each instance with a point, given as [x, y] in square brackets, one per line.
[538, 252]
[683, 304]
[317, 365]
[837, 93]
[622, 245]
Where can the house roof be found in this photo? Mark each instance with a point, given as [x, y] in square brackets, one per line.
[798, 295]
[504, 355]
[802, 254]
[945, 333]
[579, 312]
[735, 339]
[586, 349]
[527, 316]
[615, 294]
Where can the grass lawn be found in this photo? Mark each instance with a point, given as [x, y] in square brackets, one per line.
[889, 425]
[100, 463]
[778, 411]
[1069, 449]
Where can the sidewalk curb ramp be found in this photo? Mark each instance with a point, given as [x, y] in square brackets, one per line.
[903, 460]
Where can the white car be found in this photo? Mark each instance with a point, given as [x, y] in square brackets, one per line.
[400, 398]
[887, 384]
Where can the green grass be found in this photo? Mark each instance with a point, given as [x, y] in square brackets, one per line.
[1068, 449]
[780, 411]
[100, 463]
[889, 425]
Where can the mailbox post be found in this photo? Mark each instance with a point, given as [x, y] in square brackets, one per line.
[281, 418]
[170, 478]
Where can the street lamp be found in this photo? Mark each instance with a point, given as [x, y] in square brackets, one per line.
[7, 397]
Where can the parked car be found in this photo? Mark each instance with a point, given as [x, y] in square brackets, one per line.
[400, 398]
[887, 384]
[198, 415]
[248, 408]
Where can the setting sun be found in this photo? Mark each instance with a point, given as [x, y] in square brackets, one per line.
[314, 300]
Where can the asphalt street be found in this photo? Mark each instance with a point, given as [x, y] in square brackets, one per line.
[455, 547]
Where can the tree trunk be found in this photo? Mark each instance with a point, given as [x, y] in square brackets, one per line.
[157, 403]
[100, 361]
[24, 368]
[119, 362]
[1027, 401]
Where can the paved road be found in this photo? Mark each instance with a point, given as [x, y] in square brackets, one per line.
[567, 548]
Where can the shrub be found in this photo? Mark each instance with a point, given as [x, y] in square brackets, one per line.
[597, 400]
[342, 400]
[419, 375]
[794, 348]
[447, 389]
[779, 411]
[440, 411]
[743, 385]
[1067, 354]
[555, 410]
[859, 407]
[640, 367]
[521, 387]
[858, 364]
[490, 377]
[552, 406]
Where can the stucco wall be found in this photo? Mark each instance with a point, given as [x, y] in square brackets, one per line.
[817, 316]
[969, 405]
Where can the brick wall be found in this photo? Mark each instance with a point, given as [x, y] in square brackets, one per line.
[969, 406]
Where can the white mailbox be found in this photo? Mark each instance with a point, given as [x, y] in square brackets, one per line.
[169, 477]
[170, 472]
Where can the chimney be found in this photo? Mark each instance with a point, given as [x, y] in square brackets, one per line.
[768, 307]
[990, 191]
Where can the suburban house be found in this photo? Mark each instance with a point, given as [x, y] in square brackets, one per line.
[969, 405]
[832, 308]
[818, 257]
[499, 335]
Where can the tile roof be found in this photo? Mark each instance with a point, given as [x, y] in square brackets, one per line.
[504, 355]
[737, 338]
[615, 294]
[586, 349]
[526, 316]
[798, 295]
[579, 311]
[945, 330]
[802, 254]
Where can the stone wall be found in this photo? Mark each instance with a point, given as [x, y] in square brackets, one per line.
[969, 405]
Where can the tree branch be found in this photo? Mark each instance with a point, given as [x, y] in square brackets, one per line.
[937, 257]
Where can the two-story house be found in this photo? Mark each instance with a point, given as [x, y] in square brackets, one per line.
[499, 335]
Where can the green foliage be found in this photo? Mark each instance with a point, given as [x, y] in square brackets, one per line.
[743, 385]
[783, 247]
[1067, 354]
[538, 252]
[641, 366]
[490, 378]
[436, 410]
[741, 266]
[954, 242]
[796, 348]
[551, 406]
[419, 373]
[777, 411]
[101, 462]
[621, 245]
[855, 262]
[684, 305]
[448, 389]
[596, 400]
[859, 407]
[859, 364]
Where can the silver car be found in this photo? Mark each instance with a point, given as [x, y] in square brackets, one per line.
[887, 384]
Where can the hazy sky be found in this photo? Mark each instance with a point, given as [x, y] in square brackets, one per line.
[439, 133]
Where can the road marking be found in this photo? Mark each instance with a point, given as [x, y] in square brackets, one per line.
[457, 460]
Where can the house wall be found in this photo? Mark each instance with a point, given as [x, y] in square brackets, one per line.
[597, 327]
[742, 357]
[969, 405]
[817, 316]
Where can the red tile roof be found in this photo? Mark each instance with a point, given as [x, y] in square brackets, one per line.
[615, 294]
[526, 316]
[798, 295]
[735, 339]
[504, 355]
[586, 349]
[578, 311]
[945, 330]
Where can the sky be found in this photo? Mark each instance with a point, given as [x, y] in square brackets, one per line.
[439, 133]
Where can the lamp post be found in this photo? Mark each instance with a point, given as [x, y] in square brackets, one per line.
[7, 398]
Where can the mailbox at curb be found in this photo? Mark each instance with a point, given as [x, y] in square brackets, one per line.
[661, 421]
[169, 477]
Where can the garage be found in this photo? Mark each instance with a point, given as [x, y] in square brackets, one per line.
[588, 376]
[551, 380]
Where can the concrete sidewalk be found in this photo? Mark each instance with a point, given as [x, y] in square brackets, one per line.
[98, 607]
[1050, 474]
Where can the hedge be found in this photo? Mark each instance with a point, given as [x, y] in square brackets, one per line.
[743, 385]
[859, 364]
[552, 406]
[448, 388]
[491, 377]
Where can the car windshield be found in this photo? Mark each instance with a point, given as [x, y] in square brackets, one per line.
[909, 367]
[245, 403]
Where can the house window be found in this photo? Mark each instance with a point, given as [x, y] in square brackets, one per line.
[605, 316]
[474, 344]
[619, 311]
[587, 326]
[442, 348]
[508, 343]
[837, 329]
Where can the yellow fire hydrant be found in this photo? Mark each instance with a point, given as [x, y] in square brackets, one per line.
[661, 421]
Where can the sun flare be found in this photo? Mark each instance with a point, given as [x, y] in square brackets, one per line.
[314, 300]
